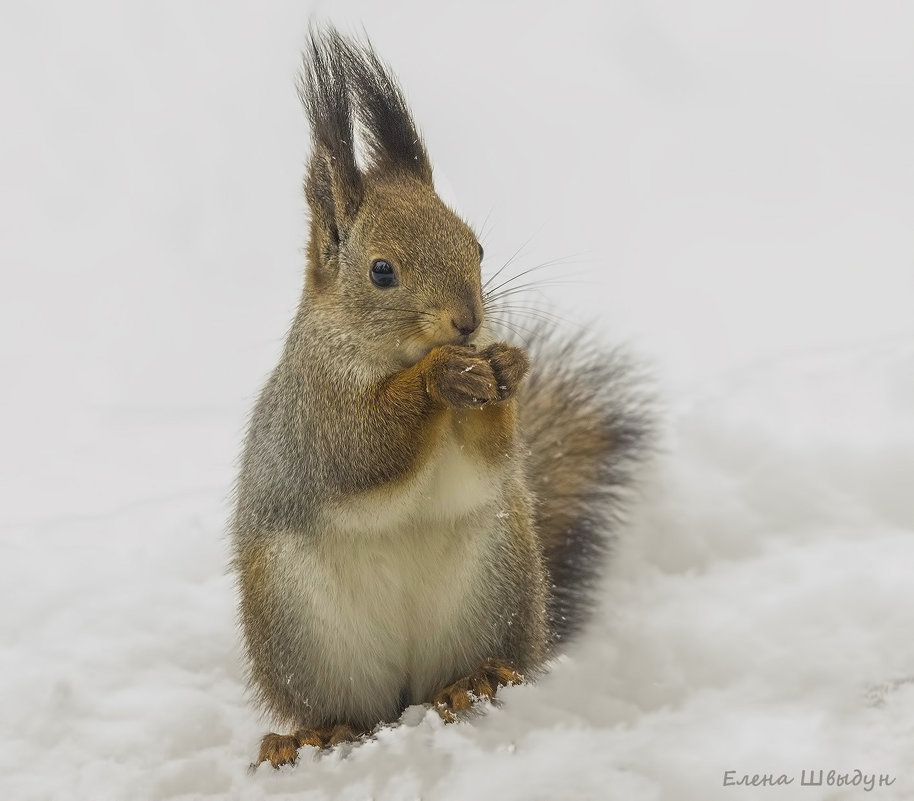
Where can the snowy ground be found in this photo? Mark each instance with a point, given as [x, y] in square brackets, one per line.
[737, 188]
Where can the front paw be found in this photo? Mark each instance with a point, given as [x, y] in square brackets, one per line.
[460, 376]
[509, 366]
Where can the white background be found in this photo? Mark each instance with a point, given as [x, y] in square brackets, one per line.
[734, 183]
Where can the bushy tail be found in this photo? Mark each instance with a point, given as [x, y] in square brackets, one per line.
[588, 425]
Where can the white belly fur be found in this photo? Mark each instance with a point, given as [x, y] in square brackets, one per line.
[397, 580]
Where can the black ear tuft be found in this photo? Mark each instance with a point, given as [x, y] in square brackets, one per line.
[386, 123]
[334, 184]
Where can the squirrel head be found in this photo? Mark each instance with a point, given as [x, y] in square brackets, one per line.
[389, 264]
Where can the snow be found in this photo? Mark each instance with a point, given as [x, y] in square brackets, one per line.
[735, 186]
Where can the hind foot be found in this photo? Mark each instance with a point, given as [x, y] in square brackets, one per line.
[481, 683]
[282, 749]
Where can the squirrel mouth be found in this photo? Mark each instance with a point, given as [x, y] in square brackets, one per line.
[420, 348]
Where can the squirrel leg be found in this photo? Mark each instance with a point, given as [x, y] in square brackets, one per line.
[278, 749]
[414, 407]
[481, 683]
[282, 749]
[480, 386]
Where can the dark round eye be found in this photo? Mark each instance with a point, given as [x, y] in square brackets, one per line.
[382, 274]
[481, 252]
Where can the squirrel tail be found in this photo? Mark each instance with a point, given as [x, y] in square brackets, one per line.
[588, 426]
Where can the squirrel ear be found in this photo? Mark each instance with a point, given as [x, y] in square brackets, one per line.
[333, 185]
[390, 134]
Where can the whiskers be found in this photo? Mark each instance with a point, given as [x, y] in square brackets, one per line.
[506, 304]
[401, 322]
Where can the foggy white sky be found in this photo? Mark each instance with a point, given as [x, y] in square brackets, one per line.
[733, 181]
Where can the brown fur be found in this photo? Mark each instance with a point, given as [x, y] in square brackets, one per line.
[282, 749]
[482, 683]
[395, 425]
[588, 424]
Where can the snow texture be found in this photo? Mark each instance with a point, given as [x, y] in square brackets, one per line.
[734, 184]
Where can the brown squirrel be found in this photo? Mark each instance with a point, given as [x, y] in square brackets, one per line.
[415, 522]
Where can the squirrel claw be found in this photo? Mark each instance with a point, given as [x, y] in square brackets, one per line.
[282, 749]
[481, 683]
[278, 749]
[461, 378]
[509, 366]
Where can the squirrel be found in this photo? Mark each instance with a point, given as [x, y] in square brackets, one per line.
[421, 507]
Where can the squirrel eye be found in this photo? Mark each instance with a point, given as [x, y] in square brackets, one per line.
[382, 274]
[481, 251]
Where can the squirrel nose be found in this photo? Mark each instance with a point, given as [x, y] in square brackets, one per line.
[466, 325]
